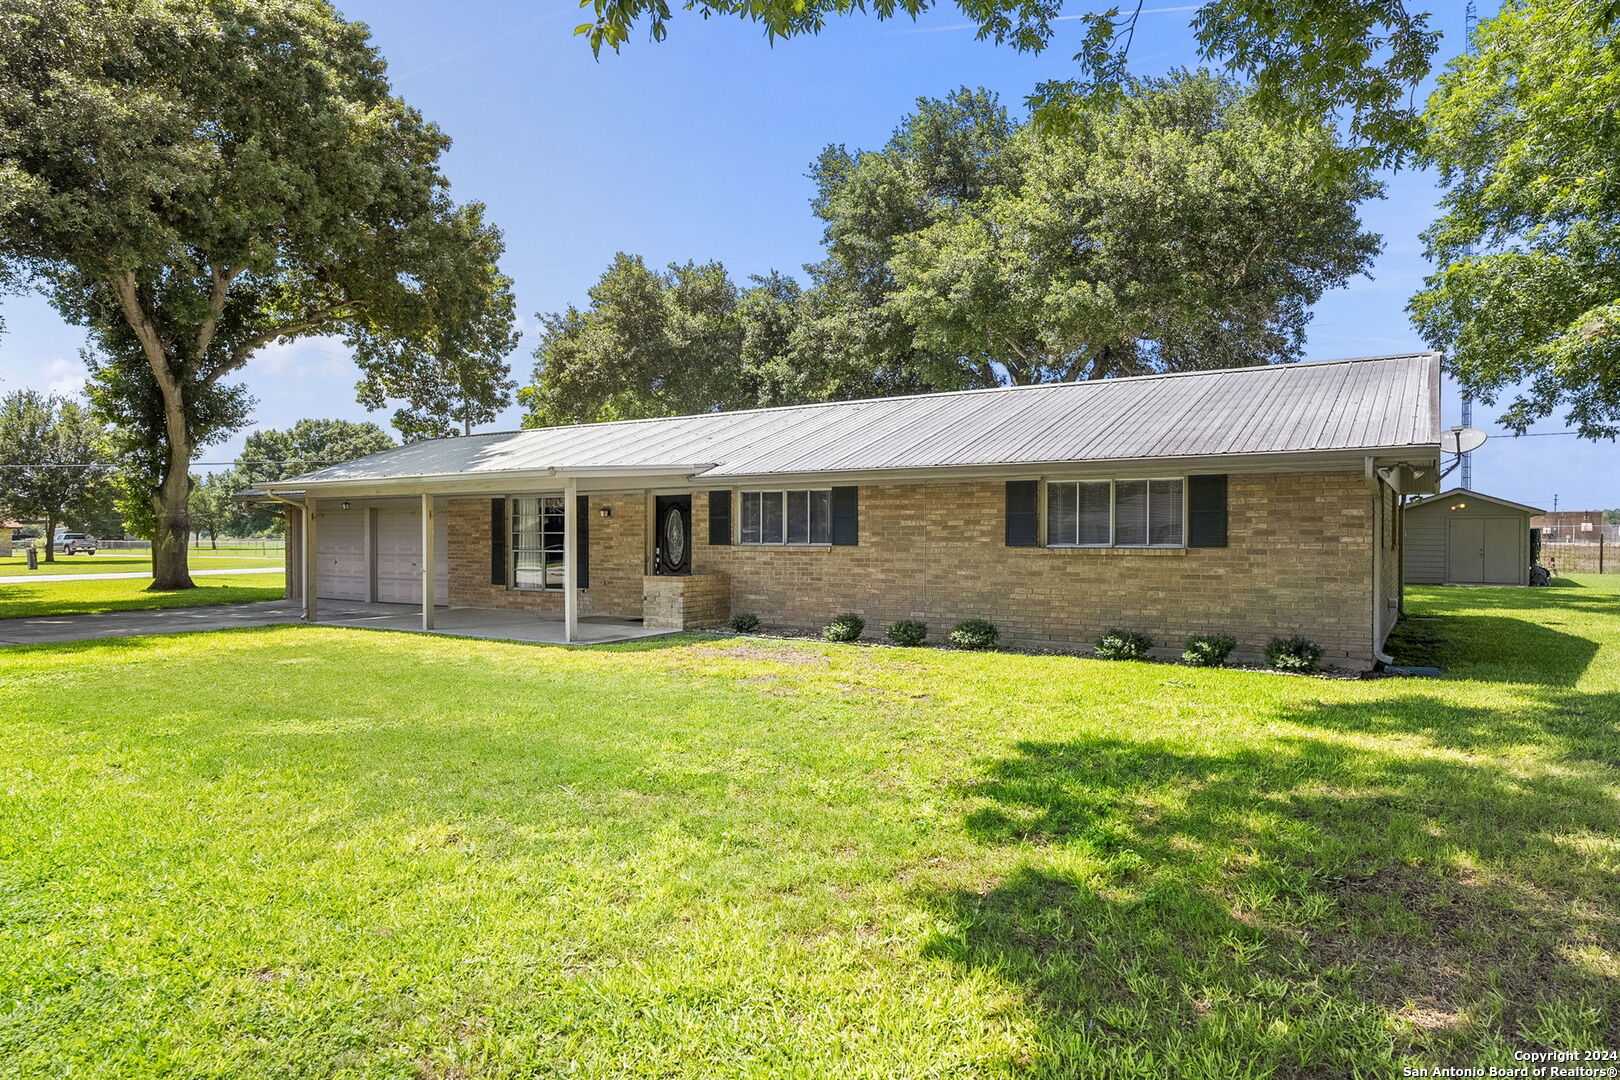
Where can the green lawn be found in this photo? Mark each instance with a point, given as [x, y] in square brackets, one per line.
[314, 852]
[22, 598]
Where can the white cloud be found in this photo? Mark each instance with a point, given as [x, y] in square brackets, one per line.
[62, 375]
[306, 357]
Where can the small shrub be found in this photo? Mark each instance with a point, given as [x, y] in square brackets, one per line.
[744, 623]
[1119, 644]
[906, 632]
[1209, 650]
[845, 627]
[975, 634]
[1294, 654]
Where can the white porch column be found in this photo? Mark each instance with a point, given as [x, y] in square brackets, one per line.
[311, 566]
[427, 562]
[371, 553]
[570, 559]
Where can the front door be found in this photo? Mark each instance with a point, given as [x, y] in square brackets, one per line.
[672, 534]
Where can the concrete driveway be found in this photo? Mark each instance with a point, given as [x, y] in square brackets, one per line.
[48, 628]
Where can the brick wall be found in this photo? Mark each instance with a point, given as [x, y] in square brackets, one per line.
[1299, 560]
[616, 566]
[686, 601]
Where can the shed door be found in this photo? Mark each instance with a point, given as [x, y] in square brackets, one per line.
[1484, 551]
[340, 540]
[1465, 554]
[1505, 559]
[399, 557]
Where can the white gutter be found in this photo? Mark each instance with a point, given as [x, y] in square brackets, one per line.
[1376, 480]
[478, 482]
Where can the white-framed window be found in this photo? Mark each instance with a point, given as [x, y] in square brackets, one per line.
[1116, 513]
[537, 542]
[1079, 514]
[801, 516]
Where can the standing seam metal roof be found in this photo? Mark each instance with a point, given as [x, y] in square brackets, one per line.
[1358, 404]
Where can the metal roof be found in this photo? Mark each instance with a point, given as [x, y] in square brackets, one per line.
[1465, 493]
[1380, 402]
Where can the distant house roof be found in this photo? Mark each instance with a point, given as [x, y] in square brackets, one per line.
[1464, 493]
[1370, 403]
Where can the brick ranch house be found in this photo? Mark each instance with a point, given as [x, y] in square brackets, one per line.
[1254, 502]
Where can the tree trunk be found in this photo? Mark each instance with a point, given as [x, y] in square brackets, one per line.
[50, 539]
[170, 503]
[213, 540]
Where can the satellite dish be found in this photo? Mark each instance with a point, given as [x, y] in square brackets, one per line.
[1460, 440]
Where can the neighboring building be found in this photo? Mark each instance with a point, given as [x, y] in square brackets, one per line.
[1462, 537]
[1255, 502]
[1572, 526]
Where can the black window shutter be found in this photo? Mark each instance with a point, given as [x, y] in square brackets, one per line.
[846, 515]
[1023, 513]
[719, 518]
[1206, 511]
[497, 541]
[582, 539]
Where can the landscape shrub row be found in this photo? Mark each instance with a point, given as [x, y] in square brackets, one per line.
[967, 634]
[1295, 653]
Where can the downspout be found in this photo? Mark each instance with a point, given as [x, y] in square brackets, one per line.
[1375, 482]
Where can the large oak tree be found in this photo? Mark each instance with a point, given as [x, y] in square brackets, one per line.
[194, 180]
[1177, 229]
[1525, 135]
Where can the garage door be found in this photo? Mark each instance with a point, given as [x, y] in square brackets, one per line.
[340, 543]
[1484, 551]
[399, 557]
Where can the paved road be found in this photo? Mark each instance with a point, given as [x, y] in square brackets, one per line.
[135, 574]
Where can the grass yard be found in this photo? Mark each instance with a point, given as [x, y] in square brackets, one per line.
[315, 852]
[20, 599]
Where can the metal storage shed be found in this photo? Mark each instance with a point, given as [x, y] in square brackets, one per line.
[1461, 537]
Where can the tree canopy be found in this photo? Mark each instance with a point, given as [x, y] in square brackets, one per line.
[278, 453]
[685, 339]
[212, 510]
[194, 180]
[1352, 61]
[1527, 295]
[1177, 229]
[53, 460]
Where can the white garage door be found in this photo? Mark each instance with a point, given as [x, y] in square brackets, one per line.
[399, 557]
[340, 543]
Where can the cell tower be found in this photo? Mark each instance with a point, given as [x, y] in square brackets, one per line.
[1470, 24]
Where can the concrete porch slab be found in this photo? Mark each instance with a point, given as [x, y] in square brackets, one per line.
[489, 623]
[457, 622]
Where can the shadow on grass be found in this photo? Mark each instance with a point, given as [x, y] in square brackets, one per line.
[1311, 909]
[1493, 648]
[40, 601]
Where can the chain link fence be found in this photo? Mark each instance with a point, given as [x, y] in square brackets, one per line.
[1571, 551]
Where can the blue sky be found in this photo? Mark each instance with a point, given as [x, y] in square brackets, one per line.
[697, 148]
